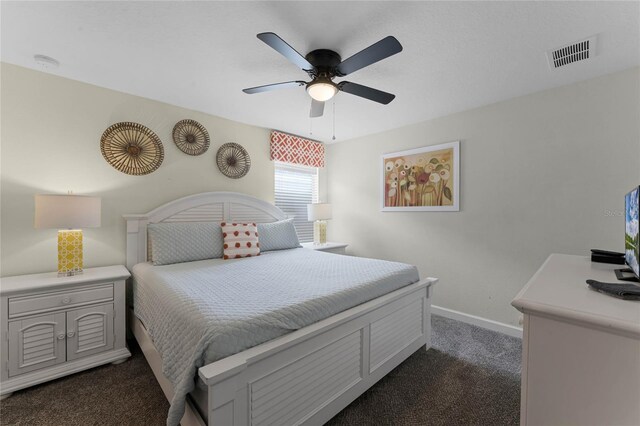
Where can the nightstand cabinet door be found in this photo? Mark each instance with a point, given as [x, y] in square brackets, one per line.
[89, 331]
[36, 342]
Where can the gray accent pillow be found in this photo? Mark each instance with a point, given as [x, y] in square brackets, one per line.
[177, 242]
[278, 235]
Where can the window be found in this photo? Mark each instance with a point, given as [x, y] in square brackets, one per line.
[295, 187]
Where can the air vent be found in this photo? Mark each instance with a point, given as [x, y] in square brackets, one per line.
[575, 52]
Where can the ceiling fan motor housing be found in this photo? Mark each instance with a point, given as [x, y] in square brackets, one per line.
[325, 61]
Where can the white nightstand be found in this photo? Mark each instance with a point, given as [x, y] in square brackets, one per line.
[337, 248]
[53, 326]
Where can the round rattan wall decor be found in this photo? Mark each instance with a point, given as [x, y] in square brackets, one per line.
[191, 137]
[233, 160]
[132, 148]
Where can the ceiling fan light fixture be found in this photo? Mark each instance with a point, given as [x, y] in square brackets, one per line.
[323, 65]
[322, 90]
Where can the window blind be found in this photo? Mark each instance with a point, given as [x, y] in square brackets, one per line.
[295, 187]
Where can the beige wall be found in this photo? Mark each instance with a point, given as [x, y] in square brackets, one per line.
[542, 173]
[50, 143]
[539, 174]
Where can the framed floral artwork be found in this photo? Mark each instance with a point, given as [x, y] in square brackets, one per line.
[423, 179]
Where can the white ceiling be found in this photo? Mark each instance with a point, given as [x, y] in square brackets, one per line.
[200, 55]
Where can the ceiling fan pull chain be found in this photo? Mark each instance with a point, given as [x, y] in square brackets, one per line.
[310, 126]
[334, 120]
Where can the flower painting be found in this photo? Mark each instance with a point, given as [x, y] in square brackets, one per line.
[423, 179]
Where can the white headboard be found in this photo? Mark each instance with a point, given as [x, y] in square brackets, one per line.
[204, 207]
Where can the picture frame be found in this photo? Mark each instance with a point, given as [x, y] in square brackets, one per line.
[424, 179]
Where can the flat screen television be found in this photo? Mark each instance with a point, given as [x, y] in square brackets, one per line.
[631, 241]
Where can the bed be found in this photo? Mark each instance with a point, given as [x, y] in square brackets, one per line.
[327, 328]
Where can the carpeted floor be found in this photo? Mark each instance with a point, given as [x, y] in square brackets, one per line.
[470, 376]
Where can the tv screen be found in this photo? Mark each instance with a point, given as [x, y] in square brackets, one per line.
[631, 243]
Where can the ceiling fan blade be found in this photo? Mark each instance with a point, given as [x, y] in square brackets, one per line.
[275, 86]
[317, 109]
[386, 47]
[282, 47]
[366, 92]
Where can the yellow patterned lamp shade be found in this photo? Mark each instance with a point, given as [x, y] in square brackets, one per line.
[319, 213]
[71, 212]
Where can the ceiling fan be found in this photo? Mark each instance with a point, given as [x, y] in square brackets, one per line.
[323, 65]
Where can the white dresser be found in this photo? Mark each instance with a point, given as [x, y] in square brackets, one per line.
[53, 326]
[581, 348]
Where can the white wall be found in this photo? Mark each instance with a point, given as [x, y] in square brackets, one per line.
[50, 141]
[539, 175]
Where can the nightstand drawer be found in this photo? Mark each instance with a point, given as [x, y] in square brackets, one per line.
[27, 305]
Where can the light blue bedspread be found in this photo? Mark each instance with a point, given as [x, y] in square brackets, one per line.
[199, 312]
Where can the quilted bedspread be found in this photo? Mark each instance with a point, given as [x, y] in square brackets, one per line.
[199, 312]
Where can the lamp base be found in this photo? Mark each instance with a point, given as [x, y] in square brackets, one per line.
[320, 232]
[69, 252]
[70, 273]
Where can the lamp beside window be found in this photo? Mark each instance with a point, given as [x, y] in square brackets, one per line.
[69, 214]
[319, 213]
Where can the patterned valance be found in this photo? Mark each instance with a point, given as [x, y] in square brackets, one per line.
[296, 150]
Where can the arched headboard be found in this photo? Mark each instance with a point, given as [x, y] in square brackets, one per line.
[204, 207]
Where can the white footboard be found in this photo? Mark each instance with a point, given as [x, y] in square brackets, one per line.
[310, 375]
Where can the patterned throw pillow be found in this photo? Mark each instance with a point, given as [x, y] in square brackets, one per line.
[240, 240]
[278, 235]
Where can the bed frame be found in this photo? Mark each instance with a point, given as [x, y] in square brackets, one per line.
[304, 377]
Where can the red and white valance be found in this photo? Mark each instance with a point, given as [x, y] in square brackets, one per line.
[296, 150]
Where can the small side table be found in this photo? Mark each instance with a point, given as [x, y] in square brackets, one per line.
[329, 247]
[53, 326]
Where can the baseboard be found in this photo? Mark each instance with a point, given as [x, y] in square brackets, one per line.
[500, 327]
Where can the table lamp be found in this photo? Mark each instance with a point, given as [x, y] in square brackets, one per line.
[68, 214]
[319, 213]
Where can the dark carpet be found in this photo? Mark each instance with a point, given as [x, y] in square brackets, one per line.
[123, 394]
[470, 376]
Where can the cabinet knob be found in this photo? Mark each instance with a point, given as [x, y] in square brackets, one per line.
[66, 300]
[60, 336]
[70, 333]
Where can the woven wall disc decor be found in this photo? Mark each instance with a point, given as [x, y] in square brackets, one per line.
[132, 148]
[191, 137]
[233, 160]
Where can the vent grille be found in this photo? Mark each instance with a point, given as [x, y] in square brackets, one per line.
[578, 51]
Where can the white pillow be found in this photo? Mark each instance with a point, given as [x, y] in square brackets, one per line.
[278, 235]
[184, 242]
